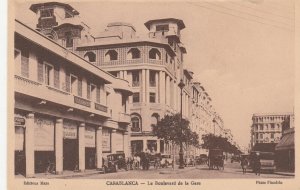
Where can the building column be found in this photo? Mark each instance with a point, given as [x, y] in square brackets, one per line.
[81, 146]
[168, 90]
[156, 87]
[162, 88]
[99, 148]
[147, 85]
[113, 136]
[29, 145]
[59, 146]
[125, 75]
[145, 144]
[158, 146]
[126, 145]
[143, 85]
[121, 74]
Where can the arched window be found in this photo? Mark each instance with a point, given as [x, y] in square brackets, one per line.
[134, 53]
[136, 123]
[90, 56]
[154, 54]
[111, 55]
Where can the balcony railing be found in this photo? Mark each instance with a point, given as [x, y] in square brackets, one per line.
[100, 107]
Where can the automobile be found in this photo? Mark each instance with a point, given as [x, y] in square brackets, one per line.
[267, 160]
[203, 159]
[189, 161]
[113, 162]
[215, 159]
[166, 160]
[235, 158]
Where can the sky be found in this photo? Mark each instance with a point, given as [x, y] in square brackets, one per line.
[241, 51]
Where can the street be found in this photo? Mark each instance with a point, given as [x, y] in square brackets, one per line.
[231, 170]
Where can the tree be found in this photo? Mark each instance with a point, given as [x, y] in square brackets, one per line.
[211, 141]
[169, 130]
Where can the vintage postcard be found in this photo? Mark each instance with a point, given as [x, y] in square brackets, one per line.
[153, 94]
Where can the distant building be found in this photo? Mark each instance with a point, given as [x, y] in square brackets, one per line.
[268, 128]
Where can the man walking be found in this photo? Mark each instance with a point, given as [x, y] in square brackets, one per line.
[244, 164]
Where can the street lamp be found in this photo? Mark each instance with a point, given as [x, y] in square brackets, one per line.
[181, 164]
[214, 121]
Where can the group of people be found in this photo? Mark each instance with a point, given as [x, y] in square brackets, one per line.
[256, 165]
[141, 159]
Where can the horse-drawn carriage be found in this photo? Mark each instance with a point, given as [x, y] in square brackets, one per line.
[215, 159]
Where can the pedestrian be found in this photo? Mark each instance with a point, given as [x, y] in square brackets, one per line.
[244, 164]
[257, 165]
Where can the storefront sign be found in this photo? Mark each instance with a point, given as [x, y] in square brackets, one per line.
[106, 145]
[43, 134]
[90, 136]
[19, 121]
[70, 130]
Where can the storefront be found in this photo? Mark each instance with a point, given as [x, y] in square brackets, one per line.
[70, 145]
[90, 147]
[106, 140]
[43, 143]
[19, 144]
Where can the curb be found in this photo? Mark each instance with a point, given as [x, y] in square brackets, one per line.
[285, 174]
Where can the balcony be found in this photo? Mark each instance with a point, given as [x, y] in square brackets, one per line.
[124, 118]
[51, 94]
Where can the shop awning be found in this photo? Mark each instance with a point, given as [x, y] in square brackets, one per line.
[287, 141]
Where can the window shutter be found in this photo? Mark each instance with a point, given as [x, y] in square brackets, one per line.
[40, 70]
[68, 81]
[98, 94]
[25, 63]
[80, 87]
[88, 94]
[56, 76]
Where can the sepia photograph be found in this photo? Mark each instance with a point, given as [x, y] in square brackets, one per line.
[151, 93]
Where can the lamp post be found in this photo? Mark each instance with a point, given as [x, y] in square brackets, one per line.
[214, 121]
[181, 164]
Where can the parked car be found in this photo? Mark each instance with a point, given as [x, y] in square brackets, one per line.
[166, 160]
[113, 162]
[189, 161]
[203, 159]
[235, 158]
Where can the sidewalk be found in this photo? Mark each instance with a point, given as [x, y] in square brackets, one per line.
[65, 174]
[284, 173]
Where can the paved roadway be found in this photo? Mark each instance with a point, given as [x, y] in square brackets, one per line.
[232, 170]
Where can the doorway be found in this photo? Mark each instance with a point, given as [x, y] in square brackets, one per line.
[70, 154]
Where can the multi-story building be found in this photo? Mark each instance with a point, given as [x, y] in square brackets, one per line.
[152, 64]
[67, 111]
[268, 128]
[153, 67]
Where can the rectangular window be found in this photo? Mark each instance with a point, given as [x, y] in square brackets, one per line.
[136, 97]
[261, 136]
[152, 79]
[135, 79]
[93, 93]
[69, 39]
[164, 27]
[48, 73]
[25, 63]
[46, 13]
[74, 85]
[272, 126]
[261, 127]
[272, 135]
[17, 61]
[152, 97]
